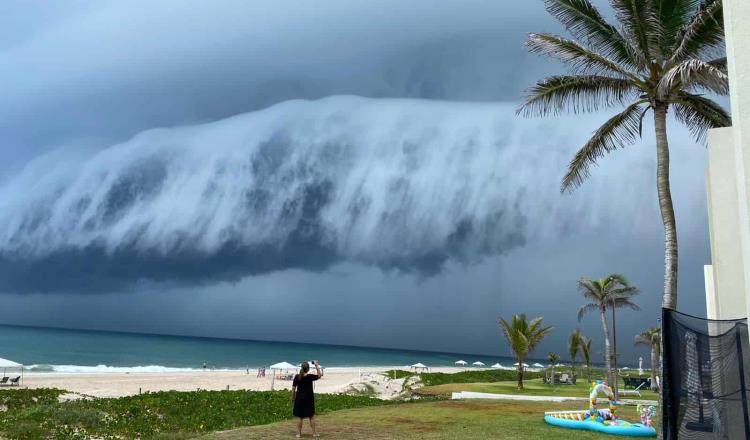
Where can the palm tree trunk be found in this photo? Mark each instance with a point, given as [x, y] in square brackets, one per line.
[607, 349]
[669, 300]
[654, 367]
[520, 374]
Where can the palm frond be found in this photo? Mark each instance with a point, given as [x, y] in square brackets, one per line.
[577, 57]
[624, 303]
[619, 131]
[591, 307]
[586, 24]
[704, 33]
[694, 74]
[720, 63]
[642, 24]
[618, 278]
[586, 350]
[700, 114]
[580, 93]
[674, 15]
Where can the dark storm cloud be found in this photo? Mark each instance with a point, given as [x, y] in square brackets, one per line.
[106, 70]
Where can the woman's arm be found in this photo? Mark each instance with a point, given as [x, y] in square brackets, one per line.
[294, 392]
[318, 369]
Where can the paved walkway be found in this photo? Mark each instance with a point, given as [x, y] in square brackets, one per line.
[474, 395]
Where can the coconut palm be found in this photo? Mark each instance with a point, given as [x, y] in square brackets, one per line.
[652, 339]
[662, 56]
[612, 290]
[553, 359]
[586, 354]
[523, 336]
[575, 342]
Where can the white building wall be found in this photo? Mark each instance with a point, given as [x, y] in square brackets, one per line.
[737, 27]
[725, 283]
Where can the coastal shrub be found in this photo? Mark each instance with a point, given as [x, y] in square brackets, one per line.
[471, 376]
[14, 399]
[398, 374]
[163, 415]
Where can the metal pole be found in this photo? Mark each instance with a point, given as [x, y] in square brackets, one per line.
[743, 390]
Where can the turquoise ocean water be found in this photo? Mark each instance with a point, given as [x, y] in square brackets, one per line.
[47, 349]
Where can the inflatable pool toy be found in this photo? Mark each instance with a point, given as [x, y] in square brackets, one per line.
[603, 420]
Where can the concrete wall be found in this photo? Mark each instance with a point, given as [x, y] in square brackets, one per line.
[725, 290]
[737, 28]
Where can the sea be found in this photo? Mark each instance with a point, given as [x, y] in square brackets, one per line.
[89, 351]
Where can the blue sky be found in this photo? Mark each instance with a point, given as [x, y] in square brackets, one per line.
[372, 185]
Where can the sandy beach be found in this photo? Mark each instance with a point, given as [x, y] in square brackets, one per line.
[109, 384]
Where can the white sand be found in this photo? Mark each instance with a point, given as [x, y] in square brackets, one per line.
[108, 384]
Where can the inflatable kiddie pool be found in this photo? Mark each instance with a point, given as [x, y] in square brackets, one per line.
[603, 420]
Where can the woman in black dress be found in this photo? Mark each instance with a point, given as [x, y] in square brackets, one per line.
[303, 396]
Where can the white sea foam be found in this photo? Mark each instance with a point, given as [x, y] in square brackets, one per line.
[112, 369]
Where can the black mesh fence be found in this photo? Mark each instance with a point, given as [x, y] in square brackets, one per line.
[705, 386]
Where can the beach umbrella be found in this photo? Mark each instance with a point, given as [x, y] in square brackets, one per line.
[279, 366]
[283, 366]
[497, 366]
[538, 365]
[478, 364]
[461, 362]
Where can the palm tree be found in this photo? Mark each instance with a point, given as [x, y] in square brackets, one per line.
[575, 342]
[523, 336]
[553, 358]
[586, 353]
[660, 57]
[651, 338]
[611, 292]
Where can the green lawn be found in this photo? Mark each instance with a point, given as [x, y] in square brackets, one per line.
[37, 415]
[465, 419]
[533, 387]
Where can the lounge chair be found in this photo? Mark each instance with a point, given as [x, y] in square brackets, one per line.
[636, 391]
[4, 380]
[15, 381]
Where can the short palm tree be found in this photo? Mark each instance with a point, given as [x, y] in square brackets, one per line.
[586, 354]
[523, 336]
[611, 292]
[662, 56]
[553, 359]
[652, 339]
[575, 342]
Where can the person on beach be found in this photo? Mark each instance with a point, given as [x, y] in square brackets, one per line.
[303, 396]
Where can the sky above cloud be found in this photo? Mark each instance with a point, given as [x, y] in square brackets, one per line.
[250, 169]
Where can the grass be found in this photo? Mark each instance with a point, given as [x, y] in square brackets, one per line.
[475, 419]
[471, 376]
[36, 414]
[531, 388]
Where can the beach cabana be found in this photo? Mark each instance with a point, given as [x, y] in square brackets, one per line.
[538, 365]
[478, 364]
[419, 366]
[461, 362]
[525, 365]
[497, 366]
[281, 366]
[5, 364]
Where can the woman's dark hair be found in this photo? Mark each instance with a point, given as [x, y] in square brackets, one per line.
[305, 367]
